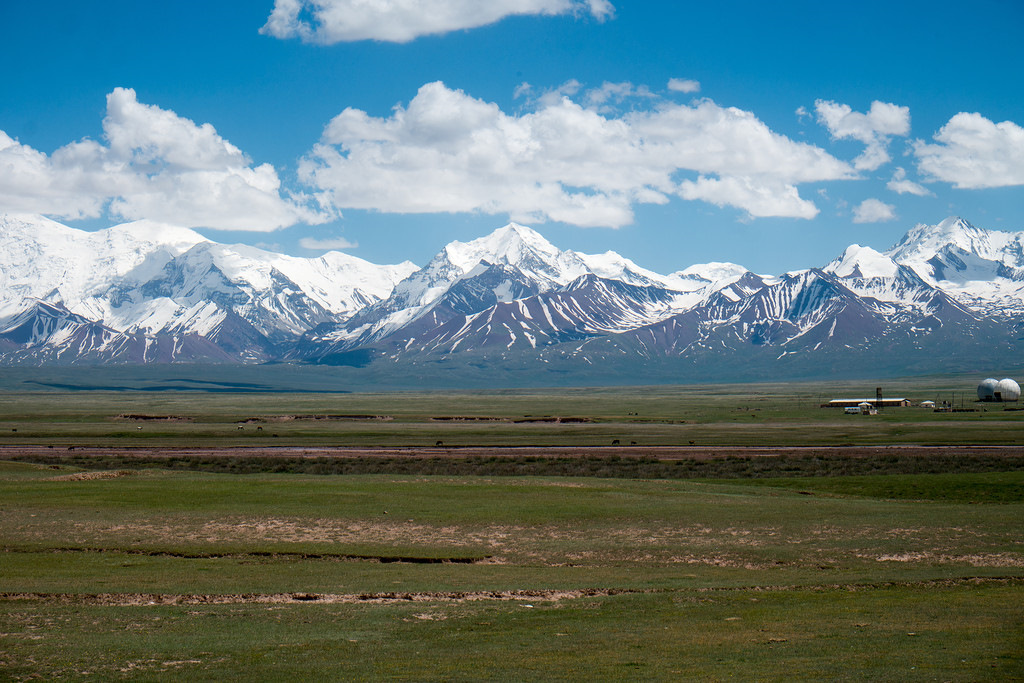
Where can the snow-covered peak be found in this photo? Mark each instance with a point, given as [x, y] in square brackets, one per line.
[862, 262]
[713, 272]
[338, 282]
[370, 277]
[923, 242]
[503, 245]
[512, 245]
[519, 246]
[45, 259]
[966, 260]
[151, 233]
[15, 223]
[133, 237]
[613, 266]
[151, 276]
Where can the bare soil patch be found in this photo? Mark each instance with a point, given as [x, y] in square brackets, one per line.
[390, 597]
[269, 554]
[143, 599]
[317, 418]
[89, 476]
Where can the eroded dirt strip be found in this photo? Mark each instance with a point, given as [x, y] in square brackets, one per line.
[659, 452]
[151, 599]
[140, 599]
[268, 554]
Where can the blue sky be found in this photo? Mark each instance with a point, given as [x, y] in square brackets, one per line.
[768, 134]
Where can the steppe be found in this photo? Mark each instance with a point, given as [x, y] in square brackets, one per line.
[611, 534]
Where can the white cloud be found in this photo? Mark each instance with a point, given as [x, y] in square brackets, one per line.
[761, 199]
[973, 152]
[328, 244]
[553, 96]
[155, 165]
[601, 9]
[616, 93]
[449, 152]
[901, 185]
[524, 89]
[683, 85]
[31, 182]
[873, 128]
[873, 211]
[333, 21]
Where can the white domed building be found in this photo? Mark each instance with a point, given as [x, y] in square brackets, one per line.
[1007, 390]
[1000, 391]
[987, 389]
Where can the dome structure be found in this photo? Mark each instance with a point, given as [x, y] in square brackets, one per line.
[987, 390]
[1007, 390]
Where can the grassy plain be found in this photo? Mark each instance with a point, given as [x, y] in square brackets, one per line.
[733, 414]
[111, 570]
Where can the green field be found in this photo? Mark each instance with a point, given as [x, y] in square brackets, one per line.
[513, 578]
[876, 566]
[734, 414]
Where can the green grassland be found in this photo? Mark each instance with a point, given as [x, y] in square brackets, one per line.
[468, 578]
[598, 566]
[753, 415]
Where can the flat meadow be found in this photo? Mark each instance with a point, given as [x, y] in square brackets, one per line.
[613, 534]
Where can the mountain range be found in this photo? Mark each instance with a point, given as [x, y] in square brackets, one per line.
[509, 308]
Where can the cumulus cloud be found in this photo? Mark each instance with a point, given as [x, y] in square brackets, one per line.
[683, 85]
[449, 152]
[874, 128]
[873, 211]
[334, 21]
[973, 153]
[900, 185]
[155, 164]
[31, 182]
[328, 244]
[759, 198]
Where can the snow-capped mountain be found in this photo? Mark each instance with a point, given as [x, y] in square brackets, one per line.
[143, 292]
[148, 279]
[46, 333]
[587, 307]
[984, 269]
[434, 307]
[923, 243]
[873, 275]
[43, 259]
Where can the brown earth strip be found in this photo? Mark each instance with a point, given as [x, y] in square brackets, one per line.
[383, 559]
[89, 476]
[139, 599]
[629, 462]
[659, 452]
[148, 599]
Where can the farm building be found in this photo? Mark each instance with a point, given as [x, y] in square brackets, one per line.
[875, 402]
[864, 408]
